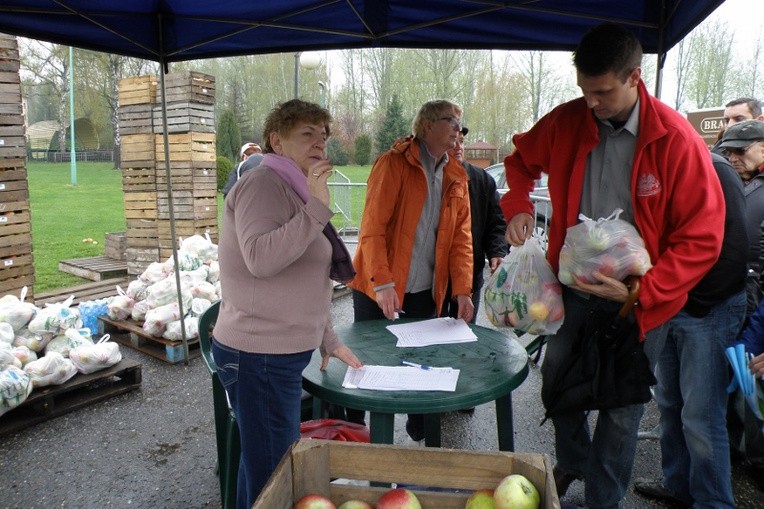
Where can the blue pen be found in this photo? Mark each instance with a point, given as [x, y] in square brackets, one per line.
[415, 365]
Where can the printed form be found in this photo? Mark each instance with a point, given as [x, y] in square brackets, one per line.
[438, 331]
[401, 378]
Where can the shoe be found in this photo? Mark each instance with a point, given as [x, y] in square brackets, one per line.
[563, 480]
[655, 489]
[415, 427]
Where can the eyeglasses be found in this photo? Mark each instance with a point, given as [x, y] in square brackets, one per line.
[455, 122]
[738, 151]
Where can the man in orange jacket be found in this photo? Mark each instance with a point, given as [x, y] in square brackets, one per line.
[416, 229]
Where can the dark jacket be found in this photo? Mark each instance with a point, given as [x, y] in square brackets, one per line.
[488, 224]
[754, 213]
[728, 274]
[252, 161]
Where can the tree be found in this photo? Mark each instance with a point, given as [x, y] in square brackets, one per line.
[228, 136]
[393, 126]
[362, 149]
[337, 154]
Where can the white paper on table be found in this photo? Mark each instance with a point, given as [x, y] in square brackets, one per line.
[401, 378]
[437, 331]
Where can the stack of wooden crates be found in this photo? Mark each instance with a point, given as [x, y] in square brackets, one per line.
[16, 262]
[190, 107]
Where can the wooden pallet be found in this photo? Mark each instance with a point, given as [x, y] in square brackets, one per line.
[88, 291]
[96, 268]
[165, 350]
[82, 390]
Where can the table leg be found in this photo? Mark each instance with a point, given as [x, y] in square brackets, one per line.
[432, 430]
[382, 427]
[504, 424]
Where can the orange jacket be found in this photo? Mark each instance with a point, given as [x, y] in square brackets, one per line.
[395, 194]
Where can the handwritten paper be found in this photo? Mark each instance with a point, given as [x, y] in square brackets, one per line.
[401, 378]
[438, 331]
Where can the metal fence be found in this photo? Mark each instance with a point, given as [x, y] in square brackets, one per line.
[348, 199]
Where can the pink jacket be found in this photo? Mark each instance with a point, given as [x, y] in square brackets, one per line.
[677, 198]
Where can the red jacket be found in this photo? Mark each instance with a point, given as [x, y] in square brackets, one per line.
[395, 194]
[678, 201]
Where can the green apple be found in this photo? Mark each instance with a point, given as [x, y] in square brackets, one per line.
[481, 499]
[516, 492]
[356, 504]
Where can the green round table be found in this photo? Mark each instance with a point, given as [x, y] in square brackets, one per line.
[490, 369]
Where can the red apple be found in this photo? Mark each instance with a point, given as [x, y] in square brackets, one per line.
[314, 501]
[516, 492]
[399, 498]
[481, 499]
[356, 504]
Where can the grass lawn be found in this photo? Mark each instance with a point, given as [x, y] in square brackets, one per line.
[64, 214]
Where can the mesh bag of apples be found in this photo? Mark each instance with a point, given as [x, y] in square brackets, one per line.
[610, 246]
[523, 293]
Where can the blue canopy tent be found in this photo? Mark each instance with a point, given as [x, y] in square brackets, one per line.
[176, 30]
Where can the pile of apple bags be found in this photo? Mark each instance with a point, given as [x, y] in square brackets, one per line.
[45, 346]
[523, 292]
[153, 297]
[610, 246]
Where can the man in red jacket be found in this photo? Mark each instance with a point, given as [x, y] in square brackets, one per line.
[616, 147]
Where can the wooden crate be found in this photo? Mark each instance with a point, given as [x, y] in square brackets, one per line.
[140, 205]
[199, 177]
[189, 86]
[114, 245]
[137, 150]
[138, 179]
[197, 147]
[183, 117]
[94, 268]
[186, 206]
[9, 48]
[137, 90]
[140, 233]
[81, 293]
[135, 119]
[139, 258]
[324, 467]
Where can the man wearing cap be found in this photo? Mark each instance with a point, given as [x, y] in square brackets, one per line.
[251, 154]
[488, 225]
[743, 145]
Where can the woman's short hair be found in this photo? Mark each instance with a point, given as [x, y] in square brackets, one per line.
[608, 48]
[432, 111]
[285, 116]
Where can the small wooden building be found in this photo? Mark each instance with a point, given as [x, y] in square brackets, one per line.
[481, 153]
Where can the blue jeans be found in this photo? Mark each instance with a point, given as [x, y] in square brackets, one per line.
[264, 391]
[691, 394]
[605, 459]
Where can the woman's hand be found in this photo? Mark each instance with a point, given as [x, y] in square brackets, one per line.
[318, 175]
[387, 300]
[519, 229]
[344, 354]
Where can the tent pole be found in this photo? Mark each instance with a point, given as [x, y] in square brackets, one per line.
[661, 50]
[168, 174]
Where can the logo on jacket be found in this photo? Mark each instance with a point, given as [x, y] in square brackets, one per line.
[648, 185]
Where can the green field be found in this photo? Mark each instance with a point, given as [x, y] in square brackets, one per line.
[63, 215]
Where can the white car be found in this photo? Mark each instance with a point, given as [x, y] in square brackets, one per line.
[539, 197]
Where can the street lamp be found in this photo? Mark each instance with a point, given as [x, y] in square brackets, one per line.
[309, 60]
[322, 97]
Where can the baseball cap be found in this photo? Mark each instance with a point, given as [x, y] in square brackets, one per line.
[246, 147]
[743, 134]
[465, 131]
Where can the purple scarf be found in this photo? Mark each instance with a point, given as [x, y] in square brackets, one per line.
[342, 269]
